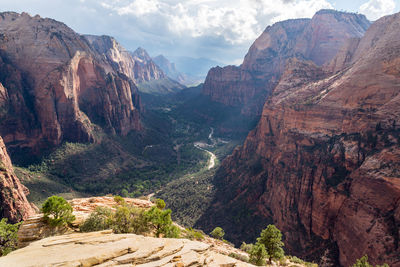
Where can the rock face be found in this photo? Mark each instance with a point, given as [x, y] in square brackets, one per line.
[107, 249]
[137, 65]
[56, 84]
[318, 40]
[146, 69]
[322, 164]
[13, 203]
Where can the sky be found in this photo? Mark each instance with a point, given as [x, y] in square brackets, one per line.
[221, 30]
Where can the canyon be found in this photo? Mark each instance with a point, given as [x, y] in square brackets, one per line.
[317, 39]
[322, 163]
[57, 84]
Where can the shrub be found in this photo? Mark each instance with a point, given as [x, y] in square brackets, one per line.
[271, 238]
[218, 233]
[283, 262]
[8, 236]
[124, 193]
[193, 234]
[57, 211]
[258, 254]
[129, 220]
[160, 220]
[294, 259]
[100, 219]
[120, 200]
[239, 256]
[246, 247]
[160, 204]
[363, 262]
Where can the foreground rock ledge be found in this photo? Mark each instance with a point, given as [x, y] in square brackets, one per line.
[107, 249]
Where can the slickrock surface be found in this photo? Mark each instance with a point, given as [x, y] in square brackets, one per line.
[323, 163]
[13, 203]
[318, 40]
[107, 249]
[35, 228]
[56, 83]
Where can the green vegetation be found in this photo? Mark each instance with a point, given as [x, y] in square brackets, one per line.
[130, 219]
[161, 222]
[8, 236]
[218, 233]
[57, 211]
[294, 259]
[120, 200]
[100, 219]
[193, 234]
[189, 196]
[239, 257]
[271, 238]
[363, 262]
[269, 245]
[246, 247]
[258, 254]
[160, 204]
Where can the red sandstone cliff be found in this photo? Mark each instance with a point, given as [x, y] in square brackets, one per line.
[56, 84]
[318, 39]
[13, 203]
[323, 163]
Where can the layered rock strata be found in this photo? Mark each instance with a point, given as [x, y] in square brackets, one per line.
[107, 249]
[317, 39]
[57, 84]
[13, 203]
[136, 65]
[322, 164]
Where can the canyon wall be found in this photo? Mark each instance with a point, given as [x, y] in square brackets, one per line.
[55, 84]
[322, 163]
[13, 203]
[317, 39]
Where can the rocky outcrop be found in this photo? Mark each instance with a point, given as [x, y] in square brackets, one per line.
[13, 203]
[318, 40]
[107, 249]
[57, 84]
[323, 162]
[35, 227]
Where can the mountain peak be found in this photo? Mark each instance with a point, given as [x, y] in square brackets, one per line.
[142, 54]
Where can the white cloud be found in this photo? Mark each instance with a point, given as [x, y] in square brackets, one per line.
[219, 29]
[374, 9]
[237, 22]
[136, 7]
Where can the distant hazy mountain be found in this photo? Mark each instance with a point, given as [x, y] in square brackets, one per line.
[195, 67]
[171, 71]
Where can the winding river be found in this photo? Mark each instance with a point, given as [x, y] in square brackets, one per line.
[202, 146]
